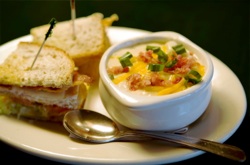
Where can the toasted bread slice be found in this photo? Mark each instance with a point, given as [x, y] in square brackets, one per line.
[53, 67]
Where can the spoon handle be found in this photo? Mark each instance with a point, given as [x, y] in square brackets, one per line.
[225, 150]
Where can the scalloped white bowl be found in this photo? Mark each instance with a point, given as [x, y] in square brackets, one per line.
[156, 113]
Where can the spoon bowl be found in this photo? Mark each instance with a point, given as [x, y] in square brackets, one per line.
[90, 126]
[94, 127]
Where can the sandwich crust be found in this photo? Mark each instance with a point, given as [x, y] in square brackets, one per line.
[53, 67]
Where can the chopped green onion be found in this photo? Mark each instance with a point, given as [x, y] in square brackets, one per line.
[127, 55]
[125, 59]
[111, 76]
[171, 63]
[154, 48]
[125, 62]
[179, 49]
[162, 56]
[155, 67]
[193, 76]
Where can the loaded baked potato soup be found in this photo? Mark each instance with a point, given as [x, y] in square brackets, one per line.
[155, 68]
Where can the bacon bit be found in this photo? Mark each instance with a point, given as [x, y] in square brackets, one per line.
[115, 70]
[145, 82]
[147, 57]
[118, 70]
[156, 80]
[126, 69]
[134, 81]
[178, 79]
[182, 66]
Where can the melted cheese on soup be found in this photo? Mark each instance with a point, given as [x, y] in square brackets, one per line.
[155, 68]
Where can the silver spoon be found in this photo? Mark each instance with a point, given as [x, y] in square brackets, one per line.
[94, 127]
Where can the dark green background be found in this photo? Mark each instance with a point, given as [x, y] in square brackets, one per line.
[221, 27]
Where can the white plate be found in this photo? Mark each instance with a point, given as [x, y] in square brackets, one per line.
[50, 141]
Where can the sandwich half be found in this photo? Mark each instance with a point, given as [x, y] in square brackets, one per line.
[85, 46]
[45, 92]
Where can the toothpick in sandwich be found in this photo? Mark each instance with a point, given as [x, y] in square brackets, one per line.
[48, 34]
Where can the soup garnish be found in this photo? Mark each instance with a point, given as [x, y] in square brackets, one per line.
[157, 68]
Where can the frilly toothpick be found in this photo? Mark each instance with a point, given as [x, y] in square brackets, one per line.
[48, 34]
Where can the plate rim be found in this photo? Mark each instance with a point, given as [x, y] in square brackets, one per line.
[68, 159]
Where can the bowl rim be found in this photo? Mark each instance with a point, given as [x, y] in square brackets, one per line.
[146, 101]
